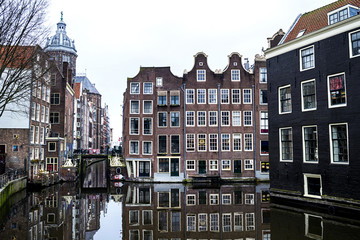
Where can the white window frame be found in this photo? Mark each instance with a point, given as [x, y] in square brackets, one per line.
[300, 56]
[212, 93]
[202, 228]
[151, 109]
[235, 75]
[249, 199]
[189, 93]
[261, 101]
[261, 121]
[138, 151]
[138, 110]
[193, 118]
[193, 201]
[213, 165]
[171, 144]
[131, 91]
[332, 147]
[247, 89]
[225, 201]
[130, 132]
[302, 96]
[214, 199]
[201, 75]
[303, 144]
[264, 154]
[187, 138]
[204, 93]
[232, 96]
[217, 142]
[248, 164]
[198, 141]
[216, 119]
[151, 147]
[193, 227]
[252, 142]
[246, 120]
[222, 142]
[328, 91]
[261, 73]
[306, 193]
[159, 82]
[279, 100]
[190, 165]
[146, 93]
[223, 112]
[280, 145]
[350, 45]
[238, 136]
[224, 164]
[158, 119]
[166, 140]
[233, 117]
[197, 119]
[171, 121]
[224, 92]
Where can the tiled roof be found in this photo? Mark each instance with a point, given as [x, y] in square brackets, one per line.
[87, 84]
[316, 19]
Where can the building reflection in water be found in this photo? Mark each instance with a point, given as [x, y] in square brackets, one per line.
[166, 212]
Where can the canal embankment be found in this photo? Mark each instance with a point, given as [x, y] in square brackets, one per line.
[10, 188]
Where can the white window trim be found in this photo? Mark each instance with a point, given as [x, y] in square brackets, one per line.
[159, 118]
[197, 93]
[233, 142]
[217, 165]
[222, 165]
[222, 199]
[197, 145]
[186, 97]
[232, 94]
[331, 144]
[235, 70]
[130, 147]
[229, 142]
[144, 106]
[279, 100]
[187, 142]
[248, 125]
[197, 75]
[302, 96]
[143, 152]
[229, 118]
[244, 96]
[49, 147]
[197, 119]
[190, 169]
[130, 126]
[139, 89]
[264, 104]
[179, 120]
[347, 6]
[328, 91]
[217, 142]
[303, 143]
[216, 95]
[263, 154]
[232, 119]
[156, 82]
[152, 88]
[228, 93]
[260, 75]
[306, 194]
[217, 119]
[179, 146]
[187, 200]
[188, 125]
[252, 164]
[252, 142]
[280, 148]
[350, 45]
[260, 123]
[301, 67]
[217, 198]
[131, 101]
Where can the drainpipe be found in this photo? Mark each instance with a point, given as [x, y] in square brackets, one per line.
[219, 125]
[184, 123]
[254, 126]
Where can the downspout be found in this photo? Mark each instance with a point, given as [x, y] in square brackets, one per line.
[219, 125]
[30, 111]
[184, 124]
[254, 127]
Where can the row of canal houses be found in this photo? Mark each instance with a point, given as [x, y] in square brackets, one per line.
[60, 113]
[298, 105]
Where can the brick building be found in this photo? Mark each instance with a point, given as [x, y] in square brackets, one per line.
[202, 125]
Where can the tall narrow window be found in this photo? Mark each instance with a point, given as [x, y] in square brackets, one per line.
[175, 144]
[263, 75]
[235, 75]
[201, 96]
[134, 107]
[308, 95]
[162, 144]
[190, 119]
[175, 119]
[162, 122]
[355, 44]
[337, 91]
[213, 142]
[212, 96]
[201, 118]
[134, 126]
[213, 118]
[201, 142]
[134, 147]
[147, 148]
[147, 126]
[264, 123]
[286, 144]
[201, 75]
[225, 118]
[147, 107]
[339, 143]
[236, 118]
[175, 98]
[190, 142]
[247, 96]
[248, 141]
[310, 147]
[307, 58]
[285, 99]
[190, 98]
[263, 97]
[225, 142]
[224, 96]
[236, 96]
[237, 142]
[247, 118]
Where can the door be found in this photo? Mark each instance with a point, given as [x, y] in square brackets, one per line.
[202, 166]
[144, 169]
[237, 166]
[174, 167]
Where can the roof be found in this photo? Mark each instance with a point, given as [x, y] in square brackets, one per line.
[87, 84]
[315, 20]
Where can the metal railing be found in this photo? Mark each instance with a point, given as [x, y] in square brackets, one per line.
[10, 176]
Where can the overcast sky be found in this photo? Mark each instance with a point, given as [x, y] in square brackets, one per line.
[114, 38]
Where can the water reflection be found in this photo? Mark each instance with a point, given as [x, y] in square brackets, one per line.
[165, 211]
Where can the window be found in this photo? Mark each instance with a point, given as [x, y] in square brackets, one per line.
[212, 118]
[175, 144]
[307, 58]
[225, 118]
[191, 223]
[163, 217]
[53, 80]
[264, 147]
[226, 222]
[236, 142]
[308, 95]
[201, 96]
[226, 164]
[55, 98]
[190, 119]
[190, 98]
[37, 134]
[225, 142]
[134, 147]
[55, 118]
[224, 96]
[249, 164]
[212, 96]
[44, 93]
[163, 165]
[249, 199]
[286, 144]
[134, 107]
[310, 146]
[190, 142]
[226, 199]
[238, 222]
[33, 109]
[214, 222]
[162, 122]
[39, 90]
[134, 235]
[162, 99]
[263, 75]
[250, 221]
[248, 142]
[238, 197]
[214, 199]
[175, 119]
[134, 88]
[159, 81]
[147, 148]
[355, 44]
[247, 96]
[201, 75]
[147, 217]
[213, 142]
[236, 118]
[235, 75]
[247, 118]
[37, 112]
[134, 217]
[51, 146]
[201, 117]
[263, 97]
[190, 199]
[42, 135]
[213, 165]
[174, 99]
[312, 185]
[314, 226]
[201, 142]
[15, 148]
[162, 144]
[337, 91]
[147, 126]
[43, 114]
[175, 222]
[264, 123]
[48, 95]
[32, 134]
[285, 99]
[148, 109]
[342, 14]
[190, 164]
[148, 88]
[339, 143]
[202, 222]
[236, 96]
[134, 126]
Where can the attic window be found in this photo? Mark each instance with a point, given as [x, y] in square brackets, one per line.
[235, 63]
[301, 33]
[201, 63]
[342, 13]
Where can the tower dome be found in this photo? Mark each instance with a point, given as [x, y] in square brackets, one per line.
[60, 41]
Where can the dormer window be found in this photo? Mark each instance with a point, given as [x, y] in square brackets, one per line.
[341, 14]
[301, 33]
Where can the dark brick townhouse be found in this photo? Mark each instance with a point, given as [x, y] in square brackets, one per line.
[203, 125]
[313, 78]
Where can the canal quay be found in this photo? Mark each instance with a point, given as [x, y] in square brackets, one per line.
[96, 208]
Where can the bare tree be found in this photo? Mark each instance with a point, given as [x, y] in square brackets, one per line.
[21, 30]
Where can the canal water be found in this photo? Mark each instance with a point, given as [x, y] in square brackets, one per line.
[129, 211]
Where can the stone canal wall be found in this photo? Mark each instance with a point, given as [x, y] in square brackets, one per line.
[11, 188]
